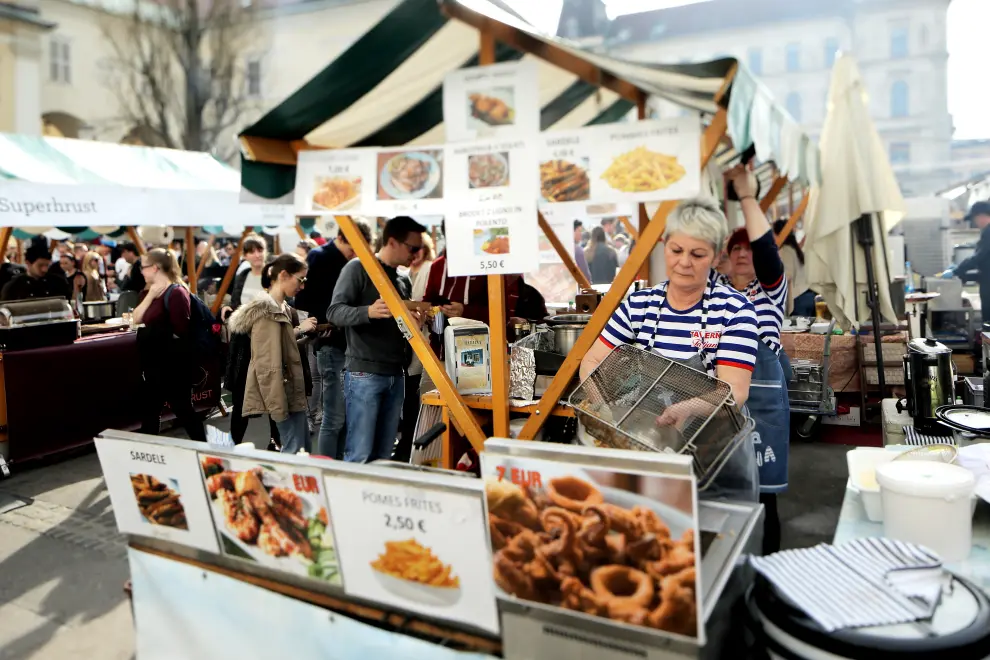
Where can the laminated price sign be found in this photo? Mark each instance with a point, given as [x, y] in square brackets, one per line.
[335, 181]
[414, 546]
[490, 199]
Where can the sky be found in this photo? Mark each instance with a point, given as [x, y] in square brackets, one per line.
[969, 92]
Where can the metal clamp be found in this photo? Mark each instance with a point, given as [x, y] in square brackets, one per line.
[406, 332]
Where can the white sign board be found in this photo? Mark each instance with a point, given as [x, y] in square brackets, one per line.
[156, 491]
[490, 188]
[409, 182]
[335, 181]
[414, 547]
[499, 100]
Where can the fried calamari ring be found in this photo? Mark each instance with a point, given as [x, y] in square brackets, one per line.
[623, 589]
[512, 579]
[572, 493]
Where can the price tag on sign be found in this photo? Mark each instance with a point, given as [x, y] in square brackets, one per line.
[414, 547]
[492, 264]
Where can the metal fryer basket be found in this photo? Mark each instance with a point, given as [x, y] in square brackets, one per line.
[636, 399]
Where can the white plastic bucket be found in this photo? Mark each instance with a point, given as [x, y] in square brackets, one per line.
[928, 503]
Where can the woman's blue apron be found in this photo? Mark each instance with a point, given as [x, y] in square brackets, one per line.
[769, 407]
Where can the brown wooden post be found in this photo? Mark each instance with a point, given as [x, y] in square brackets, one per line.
[792, 221]
[191, 259]
[644, 218]
[5, 235]
[627, 223]
[228, 277]
[771, 196]
[563, 253]
[19, 256]
[623, 280]
[135, 237]
[202, 262]
[451, 398]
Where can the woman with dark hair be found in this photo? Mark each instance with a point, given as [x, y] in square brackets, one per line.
[247, 283]
[602, 259]
[800, 299]
[164, 344]
[275, 380]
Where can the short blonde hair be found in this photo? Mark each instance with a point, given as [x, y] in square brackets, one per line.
[701, 219]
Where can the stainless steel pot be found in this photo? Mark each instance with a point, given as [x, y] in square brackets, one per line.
[568, 319]
[94, 312]
[565, 336]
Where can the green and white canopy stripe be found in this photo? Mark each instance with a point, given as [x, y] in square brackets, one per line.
[387, 90]
[75, 184]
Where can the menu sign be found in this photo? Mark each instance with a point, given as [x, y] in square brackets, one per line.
[156, 491]
[409, 182]
[491, 224]
[335, 181]
[565, 167]
[272, 514]
[618, 545]
[497, 100]
[646, 161]
[414, 547]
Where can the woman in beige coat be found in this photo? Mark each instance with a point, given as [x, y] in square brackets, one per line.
[275, 381]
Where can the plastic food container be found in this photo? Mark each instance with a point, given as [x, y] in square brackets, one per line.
[929, 504]
[863, 464]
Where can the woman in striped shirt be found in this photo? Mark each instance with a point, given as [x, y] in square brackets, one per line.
[757, 271]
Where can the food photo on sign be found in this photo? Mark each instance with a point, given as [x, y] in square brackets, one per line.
[156, 490]
[335, 181]
[491, 101]
[413, 547]
[614, 545]
[272, 514]
[409, 181]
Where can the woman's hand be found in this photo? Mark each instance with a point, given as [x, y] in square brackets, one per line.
[453, 311]
[743, 181]
[225, 313]
[306, 326]
[678, 414]
[157, 289]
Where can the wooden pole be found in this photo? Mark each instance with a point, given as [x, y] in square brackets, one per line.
[202, 262]
[497, 316]
[299, 230]
[228, 277]
[451, 398]
[771, 196]
[5, 234]
[135, 237]
[637, 256]
[627, 223]
[792, 221]
[19, 257]
[191, 259]
[563, 253]
[644, 219]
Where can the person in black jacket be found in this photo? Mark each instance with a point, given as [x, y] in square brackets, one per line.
[134, 280]
[977, 267]
[247, 282]
[37, 282]
[325, 264]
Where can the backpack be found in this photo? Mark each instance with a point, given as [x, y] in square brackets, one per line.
[204, 332]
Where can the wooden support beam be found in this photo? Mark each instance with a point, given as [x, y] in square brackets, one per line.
[228, 277]
[559, 57]
[563, 253]
[5, 234]
[299, 230]
[771, 195]
[461, 413]
[202, 262]
[19, 256]
[191, 259]
[792, 221]
[135, 237]
[268, 150]
[630, 228]
[627, 274]
[644, 218]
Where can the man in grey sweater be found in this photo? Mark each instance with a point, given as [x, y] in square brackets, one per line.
[377, 353]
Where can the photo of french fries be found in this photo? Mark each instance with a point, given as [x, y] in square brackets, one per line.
[158, 503]
[410, 560]
[564, 181]
[642, 170]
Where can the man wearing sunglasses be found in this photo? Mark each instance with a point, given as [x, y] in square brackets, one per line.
[377, 353]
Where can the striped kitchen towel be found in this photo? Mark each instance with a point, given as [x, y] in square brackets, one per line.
[915, 438]
[856, 584]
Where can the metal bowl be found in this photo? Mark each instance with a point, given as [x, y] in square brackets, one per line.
[569, 319]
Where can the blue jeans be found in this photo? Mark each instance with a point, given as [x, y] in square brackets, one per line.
[294, 432]
[374, 408]
[330, 364]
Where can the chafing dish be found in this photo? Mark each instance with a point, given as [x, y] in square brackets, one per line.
[36, 322]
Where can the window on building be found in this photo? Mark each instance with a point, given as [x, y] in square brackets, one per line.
[899, 42]
[831, 50]
[899, 105]
[755, 58]
[900, 153]
[59, 60]
[794, 105]
[793, 57]
[572, 28]
[253, 78]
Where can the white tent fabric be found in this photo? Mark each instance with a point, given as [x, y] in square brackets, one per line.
[857, 179]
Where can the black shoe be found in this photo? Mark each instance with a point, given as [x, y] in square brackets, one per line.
[274, 446]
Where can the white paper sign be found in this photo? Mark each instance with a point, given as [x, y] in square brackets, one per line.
[565, 167]
[409, 182]
[562, 224]
[419, 549]
[332, 181]
[646, 161]
[498, 100]
[490, 188]
[156, 491]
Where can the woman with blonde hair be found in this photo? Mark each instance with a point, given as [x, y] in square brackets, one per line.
[164, 344]
[96, 287]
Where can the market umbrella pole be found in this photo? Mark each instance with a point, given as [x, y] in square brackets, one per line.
[864, 235]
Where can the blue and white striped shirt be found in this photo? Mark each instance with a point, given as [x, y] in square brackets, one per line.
[727, 337]
[768, 292]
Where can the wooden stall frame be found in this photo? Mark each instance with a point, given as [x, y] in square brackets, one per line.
[202, 262]
[190, 241]
[228, 277]
[563, 253]
[792, 221]
[461, 413]
[135, 237]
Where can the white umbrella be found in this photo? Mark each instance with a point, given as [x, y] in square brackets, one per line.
[856, 179]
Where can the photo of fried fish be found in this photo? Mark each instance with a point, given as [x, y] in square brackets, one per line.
[334, 193]
[564, 181]
[642, 170]
[491, 110]
[159, 504]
